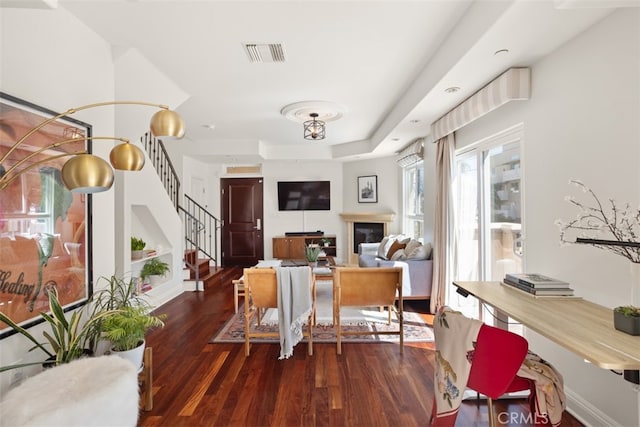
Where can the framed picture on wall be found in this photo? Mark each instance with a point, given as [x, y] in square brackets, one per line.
[45, 229]
[368, 189]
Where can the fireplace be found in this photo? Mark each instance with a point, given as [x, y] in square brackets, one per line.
[364, 227]
[367, 232]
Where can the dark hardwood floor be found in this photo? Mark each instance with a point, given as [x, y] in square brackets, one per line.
[202, 384]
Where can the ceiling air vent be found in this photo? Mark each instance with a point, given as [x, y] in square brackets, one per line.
[266, 52]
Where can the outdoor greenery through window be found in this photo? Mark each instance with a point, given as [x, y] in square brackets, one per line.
[413, 224]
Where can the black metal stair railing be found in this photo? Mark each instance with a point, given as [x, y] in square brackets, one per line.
[162, 163]
[201, 229]
[200, 226]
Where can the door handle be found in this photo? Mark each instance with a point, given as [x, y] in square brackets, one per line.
[258, 225]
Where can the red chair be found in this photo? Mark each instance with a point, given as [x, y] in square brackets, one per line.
[496, 360]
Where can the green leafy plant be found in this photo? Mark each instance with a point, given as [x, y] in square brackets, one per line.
[117, 294]
[326, 241]
[628, 310]
[154, 267]
[312, 253]
[137, 244]
[127, 328]
[66, 341]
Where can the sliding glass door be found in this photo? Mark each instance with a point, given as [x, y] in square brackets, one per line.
[488, 215]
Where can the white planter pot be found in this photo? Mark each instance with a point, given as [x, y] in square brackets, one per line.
[155, 279]
[134, 356]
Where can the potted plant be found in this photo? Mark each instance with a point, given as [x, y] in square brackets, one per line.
[326, 241]
[117, 294]
[627, 319]
[311, 253]
[126, 330]
[67, 340]
[154, 268]
[137, 247]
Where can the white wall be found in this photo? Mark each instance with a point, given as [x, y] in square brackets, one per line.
[580, 123]
[45, 65]
[275, 222]
[49, 67]
[389, 188]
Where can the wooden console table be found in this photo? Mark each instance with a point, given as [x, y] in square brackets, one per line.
[292, 247]
[580, 326]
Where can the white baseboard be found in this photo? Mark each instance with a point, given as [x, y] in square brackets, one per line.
[586, 413]
[190, 286]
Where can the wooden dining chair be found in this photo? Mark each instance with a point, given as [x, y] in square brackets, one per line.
[368, 287]
[261, 293]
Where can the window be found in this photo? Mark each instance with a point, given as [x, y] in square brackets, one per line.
[413, 191]
[488, 219]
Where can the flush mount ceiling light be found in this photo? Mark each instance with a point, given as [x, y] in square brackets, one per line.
[314, 129]
[313, 115]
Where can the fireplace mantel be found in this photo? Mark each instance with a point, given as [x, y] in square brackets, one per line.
[368, 217]
[351, 217]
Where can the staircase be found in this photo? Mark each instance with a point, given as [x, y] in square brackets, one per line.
[201, 237]
[200, 226]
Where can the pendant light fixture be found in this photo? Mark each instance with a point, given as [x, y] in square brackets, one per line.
[314, 129]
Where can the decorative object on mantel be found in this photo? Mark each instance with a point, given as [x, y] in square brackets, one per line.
[85, 172]
[619, 223]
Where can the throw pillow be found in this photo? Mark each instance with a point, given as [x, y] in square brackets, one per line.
[429, 249]
[399, 255]
[402, 239]
[382, 248]
[394, 247]
[418, 253]
[411, 246]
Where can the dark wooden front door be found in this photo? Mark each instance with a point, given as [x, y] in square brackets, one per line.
[242, 236]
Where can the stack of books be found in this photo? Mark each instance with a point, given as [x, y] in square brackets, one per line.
[537, 284]
[150, 252]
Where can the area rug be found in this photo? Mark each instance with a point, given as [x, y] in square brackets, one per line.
[352, 320]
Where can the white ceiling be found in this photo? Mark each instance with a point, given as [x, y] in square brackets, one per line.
[386, 62]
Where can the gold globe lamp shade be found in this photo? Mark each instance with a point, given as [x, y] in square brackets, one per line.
[167, 123]
[86, 173]
[126, 157]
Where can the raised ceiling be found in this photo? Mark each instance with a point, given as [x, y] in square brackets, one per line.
[387, 63]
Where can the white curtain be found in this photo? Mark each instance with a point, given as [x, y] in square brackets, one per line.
[443, 232]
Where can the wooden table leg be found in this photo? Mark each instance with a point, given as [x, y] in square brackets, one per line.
[147, 380]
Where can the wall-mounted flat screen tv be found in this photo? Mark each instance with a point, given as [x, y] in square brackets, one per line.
[304, 195]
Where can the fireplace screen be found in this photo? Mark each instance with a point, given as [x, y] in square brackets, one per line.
[367, 232]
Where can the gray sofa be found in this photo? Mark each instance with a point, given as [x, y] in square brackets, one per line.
[416, 273]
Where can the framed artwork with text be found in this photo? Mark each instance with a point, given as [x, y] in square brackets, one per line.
[45, 230]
